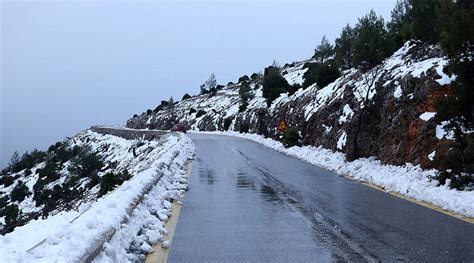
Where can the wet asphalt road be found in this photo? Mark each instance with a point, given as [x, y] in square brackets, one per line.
[248, 203]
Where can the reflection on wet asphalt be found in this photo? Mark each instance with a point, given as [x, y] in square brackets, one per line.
[248, 203]
[229, 214]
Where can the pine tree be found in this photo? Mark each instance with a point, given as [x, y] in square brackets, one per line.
[11, 214]
[399, 16]
[211, 82]
[245, 96]
[86, 163]
[370, 42]
[244, 91]
[311, 74]
[203, 89]
[20, 192]
[327, 73]
[273, 84]
[209, 85]
[455, 28]
[186, 96]
[15, 158]
[275, 64]
[423, 17]
[344, 48]
[400, 27]
[323, 51]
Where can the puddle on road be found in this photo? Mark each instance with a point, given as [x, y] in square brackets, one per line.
[206, 175]
[244, 181]
[268, 194]
[249, 182]
[279, 206]
[326, 239]
[243, 191]
[253, 184]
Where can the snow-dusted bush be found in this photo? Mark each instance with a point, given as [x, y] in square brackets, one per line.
[200, 113]
[20, 192]
[6, 180]
[273, 84]
[110, 181]
[290, 137]
[85, 163]
[244, 128]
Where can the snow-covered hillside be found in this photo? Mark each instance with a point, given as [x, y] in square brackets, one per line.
[156, 175]
[400, 93]
[225, 104]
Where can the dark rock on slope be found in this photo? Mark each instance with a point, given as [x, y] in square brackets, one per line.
[397, 124]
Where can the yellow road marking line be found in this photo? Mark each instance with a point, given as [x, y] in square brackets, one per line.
[159, 254]
[418, 202]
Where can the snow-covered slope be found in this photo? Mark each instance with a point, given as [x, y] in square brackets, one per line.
[401, 90]
[156, 176]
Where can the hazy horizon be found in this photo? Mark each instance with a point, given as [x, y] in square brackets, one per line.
[69, 65]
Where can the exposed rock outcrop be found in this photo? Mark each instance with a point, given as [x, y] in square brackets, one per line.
[396, 120]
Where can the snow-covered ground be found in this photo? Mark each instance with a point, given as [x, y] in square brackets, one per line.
[210, 112]
[408, 180]
[140, 204]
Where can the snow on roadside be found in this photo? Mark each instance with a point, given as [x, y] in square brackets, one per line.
[408, 180]
[69, 236]
[149, 216]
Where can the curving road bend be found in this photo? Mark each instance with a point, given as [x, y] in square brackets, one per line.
[249, 203]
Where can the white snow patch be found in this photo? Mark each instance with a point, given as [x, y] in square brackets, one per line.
[445, 79]
[327, 129]
[398, 92]
[346, 114]
[441, 132]
[426, 116]
[342, 141]
[325, 95]
[432, 155]
[294, 75]
[146, 248]
[400, 64]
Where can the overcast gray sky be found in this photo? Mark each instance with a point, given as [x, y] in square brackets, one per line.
[66, 65]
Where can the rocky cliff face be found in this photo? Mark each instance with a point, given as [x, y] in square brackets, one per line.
[393, 104]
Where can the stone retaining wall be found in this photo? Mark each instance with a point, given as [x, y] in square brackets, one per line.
[129, 134]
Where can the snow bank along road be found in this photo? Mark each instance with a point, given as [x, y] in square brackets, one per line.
[121, 225]
[248, 202]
